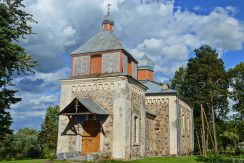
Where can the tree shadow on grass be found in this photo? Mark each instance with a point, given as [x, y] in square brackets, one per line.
[217, 159]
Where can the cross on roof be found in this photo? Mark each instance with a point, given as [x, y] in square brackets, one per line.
[108, 6]
[144, 47]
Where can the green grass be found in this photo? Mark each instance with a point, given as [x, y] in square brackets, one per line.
[190, 159]
[27, 161]
[145, 160]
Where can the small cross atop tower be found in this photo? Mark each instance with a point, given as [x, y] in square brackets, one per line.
[144, 47]
[108, 6]
[108, 21]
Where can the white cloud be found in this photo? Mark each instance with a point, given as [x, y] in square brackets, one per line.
[170, 35]
[169, 32]
[54, 76]
[180, 32]
[27, 114]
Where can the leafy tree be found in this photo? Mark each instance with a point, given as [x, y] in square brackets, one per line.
[26, 143]
[21, 145]
[204, 82]
[229, 138]
[49, 132]
[6, 150]
[14, 25]
[237, 87]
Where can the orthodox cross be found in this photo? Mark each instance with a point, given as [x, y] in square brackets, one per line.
[76, 106]
[108, 6]
[144, 47]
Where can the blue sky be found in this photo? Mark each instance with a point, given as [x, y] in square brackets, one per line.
[171, 30]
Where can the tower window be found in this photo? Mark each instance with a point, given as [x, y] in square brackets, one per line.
[96, 61]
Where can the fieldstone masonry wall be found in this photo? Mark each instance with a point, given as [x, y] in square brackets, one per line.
[158, 129]
[186, 137]
[123, 101]
[102, 94]
[120, 99]
[138, 109]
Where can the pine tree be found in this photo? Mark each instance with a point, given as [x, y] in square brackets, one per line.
[205, 82]
[237, 87]
[49, 131]
[14, 25]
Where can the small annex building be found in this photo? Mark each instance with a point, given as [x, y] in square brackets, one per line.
[111, 105]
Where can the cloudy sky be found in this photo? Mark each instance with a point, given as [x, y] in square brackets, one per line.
[171, 30]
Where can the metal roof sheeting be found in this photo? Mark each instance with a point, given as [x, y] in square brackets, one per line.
[103, 41]
[92, 106]
[146, 63]
[154, 87]
[85, 105]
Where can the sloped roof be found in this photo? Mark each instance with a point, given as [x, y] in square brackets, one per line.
[103, 41]
[108, 19]
[84, 105]
[154, 87]
[145, 63]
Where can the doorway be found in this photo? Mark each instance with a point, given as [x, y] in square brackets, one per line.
[90, 137]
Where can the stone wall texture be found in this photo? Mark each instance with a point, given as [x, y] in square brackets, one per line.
[137, 104]
[186, 134]
[157, 140]
[124, 100]
[102, 94]
[121, 99]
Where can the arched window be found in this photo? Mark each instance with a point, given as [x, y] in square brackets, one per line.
[136, 130]
[183, 125]
[188, 126]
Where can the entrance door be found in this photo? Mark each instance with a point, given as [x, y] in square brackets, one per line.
[90, 137]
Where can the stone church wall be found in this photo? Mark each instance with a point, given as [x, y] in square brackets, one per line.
[122, 100]
[186, 135]
[157, 141]
[102, 94]
[138, 110]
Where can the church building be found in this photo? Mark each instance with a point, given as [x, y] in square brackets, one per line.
[112, 106]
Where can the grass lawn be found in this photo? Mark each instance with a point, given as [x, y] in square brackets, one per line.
[147, 160]
[190, 159]
[27, 161]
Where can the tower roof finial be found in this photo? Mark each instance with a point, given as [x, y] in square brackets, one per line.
[108, 19]
[108, 6]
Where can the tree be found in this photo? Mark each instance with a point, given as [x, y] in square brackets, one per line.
[237, 87]
[21, 145]
[205, 82]
[229, 138]
[14, 25]
[49, 132]
[178, 81]
[26, 143]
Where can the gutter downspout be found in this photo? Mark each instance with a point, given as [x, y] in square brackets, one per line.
[178, 124]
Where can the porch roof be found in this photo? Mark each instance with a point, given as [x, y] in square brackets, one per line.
[81, 106]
